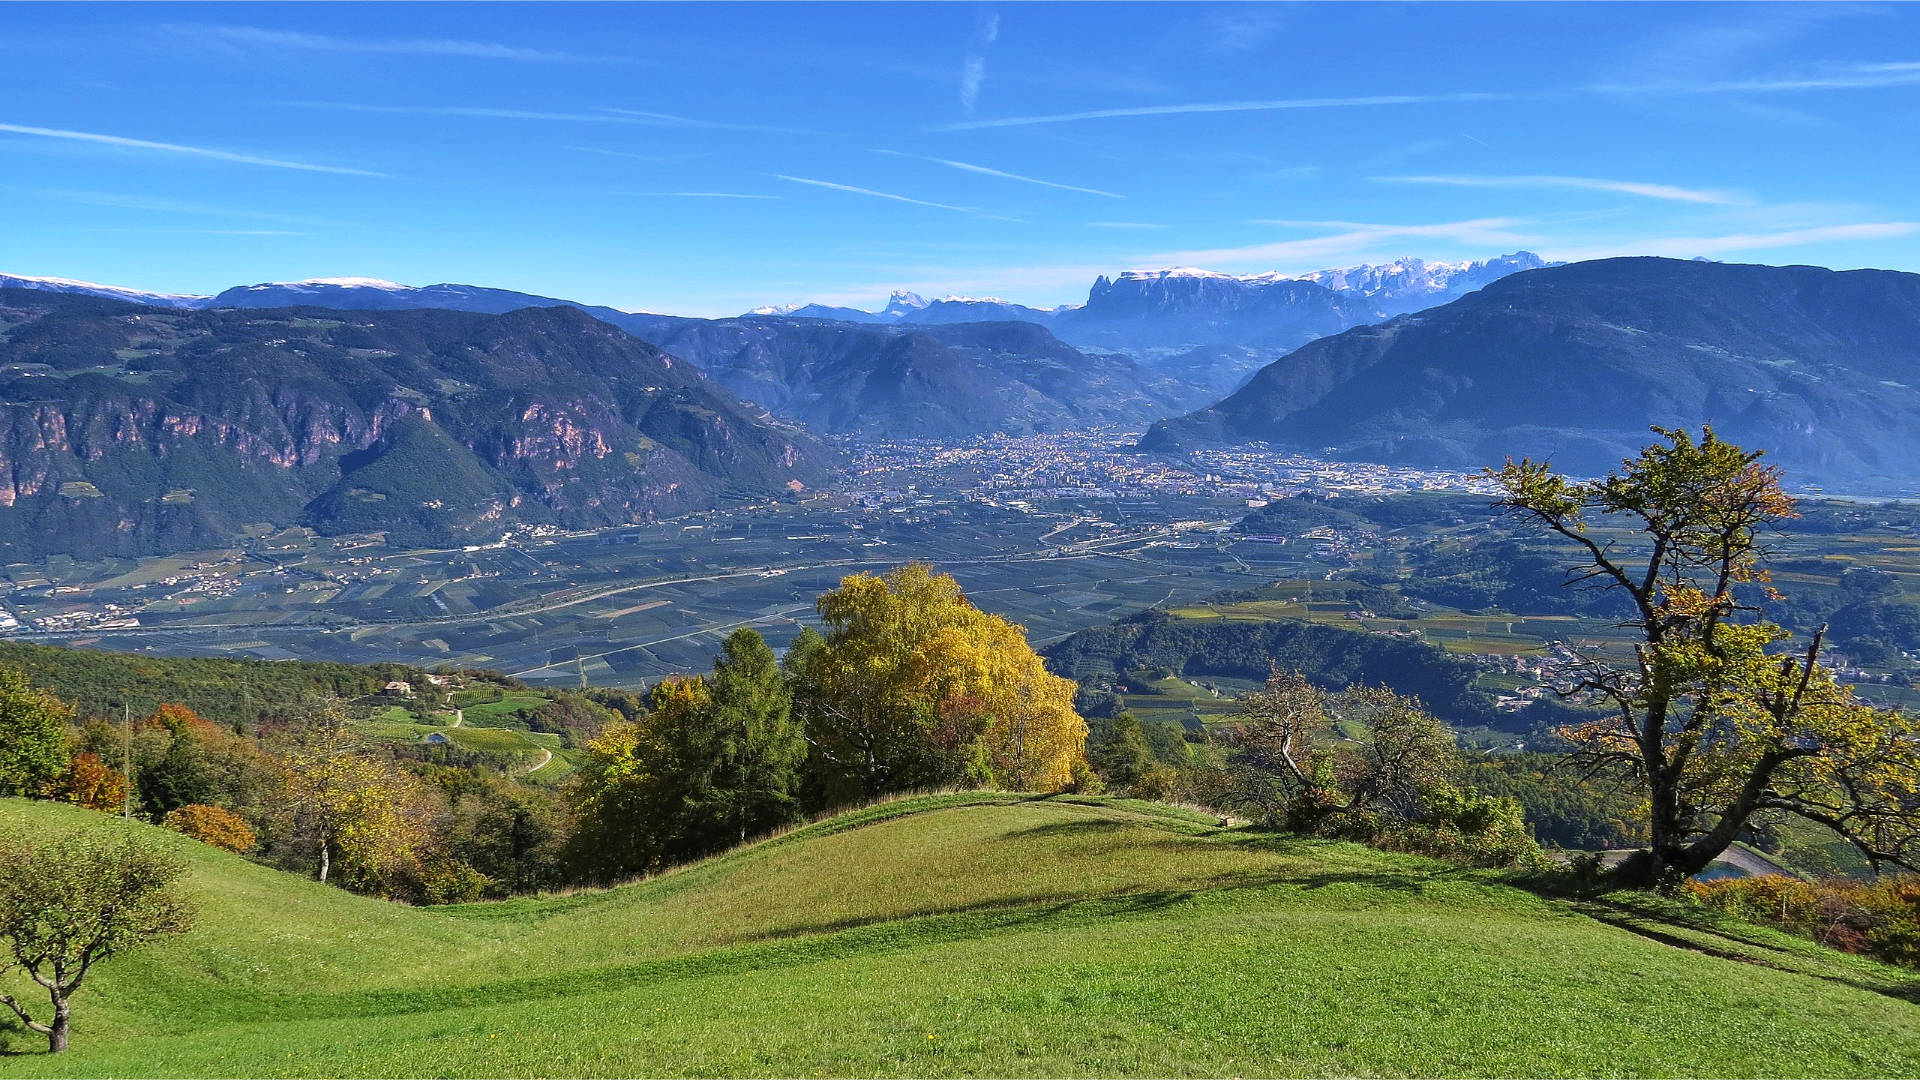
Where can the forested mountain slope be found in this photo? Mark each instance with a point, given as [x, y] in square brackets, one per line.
[1820, 367]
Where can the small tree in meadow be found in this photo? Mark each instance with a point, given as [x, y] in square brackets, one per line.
[69, 903]
[347, 803]
[1301, 772]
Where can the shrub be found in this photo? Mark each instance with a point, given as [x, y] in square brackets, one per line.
[442, 880]
[1465, 826]
[212, 825]
[1879, 918]
[1085, 780]
[91, 784]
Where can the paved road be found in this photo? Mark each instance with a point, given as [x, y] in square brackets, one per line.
[1745, 860]
[1752, 862]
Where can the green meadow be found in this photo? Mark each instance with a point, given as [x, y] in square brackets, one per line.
[977, 934]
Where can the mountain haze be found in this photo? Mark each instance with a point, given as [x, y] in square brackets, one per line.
[917, 381]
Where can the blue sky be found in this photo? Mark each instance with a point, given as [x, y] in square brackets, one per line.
[705, 159]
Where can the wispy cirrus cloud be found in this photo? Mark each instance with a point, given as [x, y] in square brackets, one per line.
[982, 170]
[652, 159]
[609, 115]
[1242, 28]
[1349, 239]
[1683, 247]
[265, 39]
[1667, 192]
[1277, 105]
[687, 121]
[973, 69]
[208, 153]
[478, 111]
[122, 201]
[869, 192]
[1846, 77]
[208, 232]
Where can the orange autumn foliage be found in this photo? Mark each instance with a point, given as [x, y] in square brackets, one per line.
[178, 719]
[212, 825]
[90, 783]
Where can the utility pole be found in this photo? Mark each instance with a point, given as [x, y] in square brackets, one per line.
[1020, 737]
[126, 760]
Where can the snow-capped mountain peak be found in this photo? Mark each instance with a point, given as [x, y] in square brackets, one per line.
[903, 303]
[1169, 272]
[88, 288]
[1412, 278]
[955, 298]
[334, 282]
[1402, 277]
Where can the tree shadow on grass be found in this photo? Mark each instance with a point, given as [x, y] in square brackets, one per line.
[798, 946]
[1162, 838]
[787, 948]
[17, 1040]
[1711, 937]
[1091, 826]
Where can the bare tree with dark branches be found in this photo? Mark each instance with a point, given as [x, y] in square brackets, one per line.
[1297, 773]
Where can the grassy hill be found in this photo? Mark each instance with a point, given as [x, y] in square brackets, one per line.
[978, 935]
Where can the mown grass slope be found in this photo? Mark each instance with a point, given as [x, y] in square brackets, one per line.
[980, 935]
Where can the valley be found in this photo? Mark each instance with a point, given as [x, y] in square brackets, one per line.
[1060, 533]
[1233, 539]
[1055, 532]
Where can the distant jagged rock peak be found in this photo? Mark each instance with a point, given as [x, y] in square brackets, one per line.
[903, 303]
[1402, 276]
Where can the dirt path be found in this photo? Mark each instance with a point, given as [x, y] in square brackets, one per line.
[544, 762]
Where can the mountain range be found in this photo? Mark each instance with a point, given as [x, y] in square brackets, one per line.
[1145, 345]
[1820, 367]
[1520, 356]
[1392, 288]
[126, 429]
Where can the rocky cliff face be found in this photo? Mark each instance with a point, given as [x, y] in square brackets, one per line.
[1174, 308]
[128, 429]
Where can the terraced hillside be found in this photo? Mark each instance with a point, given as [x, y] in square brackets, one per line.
[978, 935]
